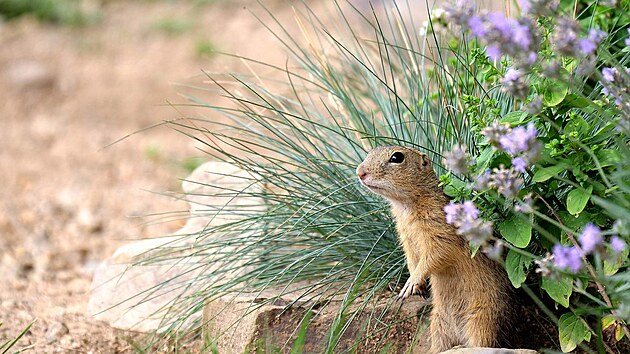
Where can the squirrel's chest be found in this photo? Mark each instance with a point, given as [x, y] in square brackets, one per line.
[414, 235]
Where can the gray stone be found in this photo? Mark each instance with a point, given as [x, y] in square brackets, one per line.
[55, 331]
[118, 289]
[29, 74]
[244, 324]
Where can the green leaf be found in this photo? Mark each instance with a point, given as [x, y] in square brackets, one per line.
[545, 173]
[454, 188]
[554, 93]
[570, 102]
[474, 248]
[607, 321]
[607, 157]
[576, 222]
[577, 124]
[619, 333]
[572, 331]
[558, 289]
[611, 267]
[516, 265]
[514, 118]
[575, 101]
[516, 231]
[577, 199]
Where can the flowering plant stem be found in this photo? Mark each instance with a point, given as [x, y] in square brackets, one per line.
[589, 266]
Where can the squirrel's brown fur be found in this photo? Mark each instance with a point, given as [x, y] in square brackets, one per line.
[471, 296]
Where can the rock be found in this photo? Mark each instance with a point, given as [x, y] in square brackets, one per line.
[118, 291]
[489, 351]
[29, 74]
[243, 324]
[55, 331]
[251, 323]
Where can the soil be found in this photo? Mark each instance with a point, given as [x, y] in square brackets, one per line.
[67, 199]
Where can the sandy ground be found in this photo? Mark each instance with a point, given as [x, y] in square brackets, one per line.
[66, 202]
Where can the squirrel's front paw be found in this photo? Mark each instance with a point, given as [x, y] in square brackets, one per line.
[413, 288]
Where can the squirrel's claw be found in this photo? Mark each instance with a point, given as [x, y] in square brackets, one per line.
[407, 290]
[412, 288]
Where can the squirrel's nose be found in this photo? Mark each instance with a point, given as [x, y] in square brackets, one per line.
[361, 173]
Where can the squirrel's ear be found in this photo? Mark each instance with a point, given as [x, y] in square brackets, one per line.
[425, 162]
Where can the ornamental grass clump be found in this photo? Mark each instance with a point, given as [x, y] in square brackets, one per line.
[525, 116]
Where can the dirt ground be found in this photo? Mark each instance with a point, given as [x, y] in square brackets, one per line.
[66, 202]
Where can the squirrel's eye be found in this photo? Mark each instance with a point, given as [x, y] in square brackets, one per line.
[397, 157]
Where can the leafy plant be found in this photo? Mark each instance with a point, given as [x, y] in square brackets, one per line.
[547, 167]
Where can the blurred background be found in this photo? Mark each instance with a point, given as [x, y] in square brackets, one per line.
[76, 76]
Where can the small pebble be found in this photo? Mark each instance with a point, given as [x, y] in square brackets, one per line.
[29, 74]
[55, 331]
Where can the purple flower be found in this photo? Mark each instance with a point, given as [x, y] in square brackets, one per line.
[568, 42]
[470, 209]
[627, 41]
[501, 35]
[531, 58]
[519, 142]
[500, 23]
[566, 35]
[506, 181]
[495, 251]
[460, 11]
[512, 74]
[520, 139]
[617, 244]
[525, 5]
[478, 231]
[493, 52]
[519, 164]
[527, 206]
[458, 214]
[535, 106]
[587, 45]
[590, 238]
[567, 257]
[451, 210]
[521, 35]
[538, 7]
[458, 160]
[617, 86]
[477, 26]
[495, 131]
[514, 83]
[481, 182]
[465, 217]
[609, 74]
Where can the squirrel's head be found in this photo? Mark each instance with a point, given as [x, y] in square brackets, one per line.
[399, 174]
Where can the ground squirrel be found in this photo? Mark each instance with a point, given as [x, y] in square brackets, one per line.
[471, 296]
